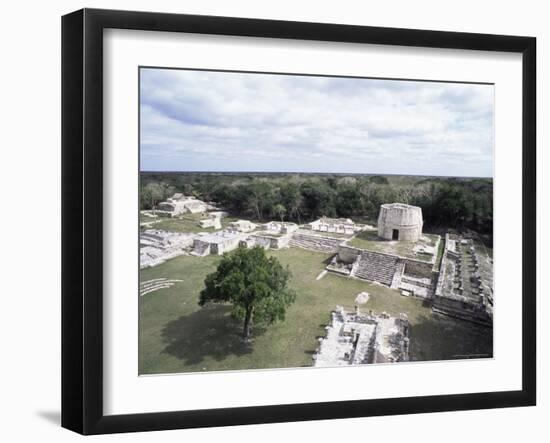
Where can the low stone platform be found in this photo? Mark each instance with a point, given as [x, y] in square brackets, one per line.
[309, 240]
[464, 287]
[157, 246]
[363, 338]
[375, 267]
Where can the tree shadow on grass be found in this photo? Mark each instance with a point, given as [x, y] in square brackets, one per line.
[439, 337]
[328, 260]
[208, 332]
[426, 303]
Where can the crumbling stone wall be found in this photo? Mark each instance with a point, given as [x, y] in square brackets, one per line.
[406, 220]
[348, 254]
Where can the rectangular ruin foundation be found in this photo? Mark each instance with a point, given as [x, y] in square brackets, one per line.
[413, 276]
[465, 285]
[157, 246]
[217, 243]
[355, 338]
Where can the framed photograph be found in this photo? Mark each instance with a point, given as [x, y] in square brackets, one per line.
[269, 221]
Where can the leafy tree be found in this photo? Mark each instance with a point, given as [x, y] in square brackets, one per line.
[292, 200]
[445, 202]
[258, 198]
[153, 193]
[318, 199]
[348, 200]
[379, 180]
[280, 210]
[256, 286]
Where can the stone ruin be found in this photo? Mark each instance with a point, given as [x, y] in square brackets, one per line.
[212, 220]
[465, 285]
[242, 226]
[156, 246]
[412, 277]
[180, 204]
[335, 225]
[398, 221]
[396, 265]
[280, 228]
[275, 235]
[243, 233]
[354, 338]
[315, 241]
[217, 243]
[339, 266]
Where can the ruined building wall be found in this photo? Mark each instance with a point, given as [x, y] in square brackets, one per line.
[348, 254]
[406, 219]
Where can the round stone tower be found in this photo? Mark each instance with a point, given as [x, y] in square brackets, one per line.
[398, 221]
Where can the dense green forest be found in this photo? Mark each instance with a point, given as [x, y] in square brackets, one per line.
[460, 203]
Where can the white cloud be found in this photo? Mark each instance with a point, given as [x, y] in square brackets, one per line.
[198, 120]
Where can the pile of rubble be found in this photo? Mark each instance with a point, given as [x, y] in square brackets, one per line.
[465, 285]
[157, 246]
[182, 204]
[354, 338]
[217, 243]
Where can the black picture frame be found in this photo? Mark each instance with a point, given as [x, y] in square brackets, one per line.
[82, 216]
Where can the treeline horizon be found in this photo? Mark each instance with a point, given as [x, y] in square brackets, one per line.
[447, 202]
[336, 174]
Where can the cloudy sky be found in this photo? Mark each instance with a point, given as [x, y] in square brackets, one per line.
[220, 121]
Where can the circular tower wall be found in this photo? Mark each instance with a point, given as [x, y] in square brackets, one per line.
[398, 221]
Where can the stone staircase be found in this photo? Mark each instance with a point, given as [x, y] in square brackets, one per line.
[399, 270]
[201, 249]
[375, 267]
[315, 242]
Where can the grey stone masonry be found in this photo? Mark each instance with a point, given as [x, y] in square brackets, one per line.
[396, 281]
[355, 338]
[376, 267]
[465, 286]
[304, 240]
[398, 221]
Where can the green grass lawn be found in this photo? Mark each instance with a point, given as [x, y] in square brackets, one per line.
[369, 240]
[187, 223]
[179, 225]
[176, 335]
